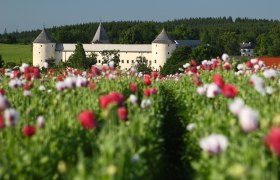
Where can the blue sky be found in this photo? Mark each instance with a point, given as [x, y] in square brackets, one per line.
[33, 14]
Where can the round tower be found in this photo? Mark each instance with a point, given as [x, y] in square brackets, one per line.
[162, 48]
[43, 48]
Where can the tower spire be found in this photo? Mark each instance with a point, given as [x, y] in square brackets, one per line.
[100, 36]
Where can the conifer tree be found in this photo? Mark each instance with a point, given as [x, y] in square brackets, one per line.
[78, 59]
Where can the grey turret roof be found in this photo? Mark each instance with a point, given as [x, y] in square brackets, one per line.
[43, 37]
[163, 38]
[100, 36]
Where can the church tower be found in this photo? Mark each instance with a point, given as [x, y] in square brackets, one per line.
[43, 48]
[100, 36]
[162, 48]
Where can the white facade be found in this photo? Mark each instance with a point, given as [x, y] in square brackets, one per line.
[246, 49]
[155, 53]
[41, 52]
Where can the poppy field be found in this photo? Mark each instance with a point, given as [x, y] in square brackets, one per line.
[214, 120]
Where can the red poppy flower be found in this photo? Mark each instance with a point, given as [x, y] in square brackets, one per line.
[104, 101]
[147, 92]
[133, 87]
[193, 70]
[95, 70]
[17, 74]
[154, 75]
[229, 91]
[249, 64]
[122, 112]
[193, 62]
[227, 66]
[272, 140]
[117, 98]
[218, 80]
[2, 122]
[87, 120]
[2, 92]
[28, 131]
[197, 81]
[147, 81]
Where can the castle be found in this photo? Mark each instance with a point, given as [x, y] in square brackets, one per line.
[156, 53]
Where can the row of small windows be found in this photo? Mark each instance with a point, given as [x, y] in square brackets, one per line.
[132, 61]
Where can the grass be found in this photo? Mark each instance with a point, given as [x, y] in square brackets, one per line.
[16, 53]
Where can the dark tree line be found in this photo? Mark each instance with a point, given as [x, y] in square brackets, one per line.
[223, 33]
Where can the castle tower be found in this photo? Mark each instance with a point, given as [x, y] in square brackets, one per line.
[100, 36]
[43, 48]
[162, 48]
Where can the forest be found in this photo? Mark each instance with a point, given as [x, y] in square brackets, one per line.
[223, 33]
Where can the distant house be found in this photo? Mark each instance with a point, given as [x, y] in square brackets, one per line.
[190, 43]
[246, 49]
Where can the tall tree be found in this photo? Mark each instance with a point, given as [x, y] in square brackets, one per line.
[78, 59]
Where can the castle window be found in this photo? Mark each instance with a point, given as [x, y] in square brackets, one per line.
[156, 45]
[155, 61]
[168, 45]
[122, 61]
[99, 61]
[132, 61]
[41, 46]
[39, 52]
[52, 45]
[168, 52]
[126, 52]
[127, 61]
[150, 62]
[156, 52]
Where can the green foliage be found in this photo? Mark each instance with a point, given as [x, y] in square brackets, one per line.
[10, 64]
[179, 56]
[111, 55]
[142, 65]
[1, 62]
[229, 43]
[91, 60]
[203, 52]
[51, 62]
[269, 44]
[78, 59]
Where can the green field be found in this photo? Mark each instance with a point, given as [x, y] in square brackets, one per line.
[16, 53]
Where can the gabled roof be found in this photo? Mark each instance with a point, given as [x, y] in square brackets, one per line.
[43, 37]
[100, 36]
[246, 45]
[190, 43]
[163, 38]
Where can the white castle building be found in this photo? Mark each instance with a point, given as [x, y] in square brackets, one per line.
[156, 53]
